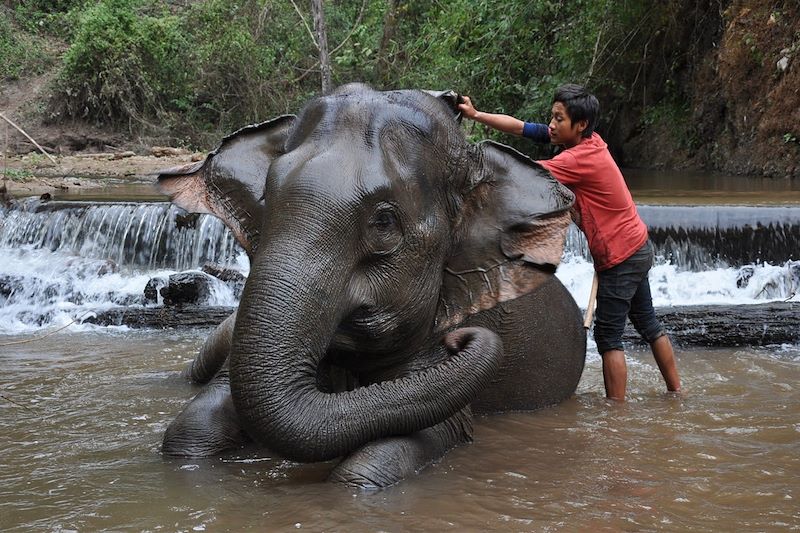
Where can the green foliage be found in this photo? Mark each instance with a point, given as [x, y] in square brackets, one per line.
[20, 54]
[201, 68]
[669, 115]
[240, 71]
[51, 16]
[17, 174]
[124, 62]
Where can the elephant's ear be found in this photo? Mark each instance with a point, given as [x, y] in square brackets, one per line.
[229, 183]
[451, 99]
[510, 235]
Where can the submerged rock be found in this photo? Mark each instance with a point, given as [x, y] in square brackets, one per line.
[152, 288]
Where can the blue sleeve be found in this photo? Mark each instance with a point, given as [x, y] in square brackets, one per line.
[536, 132]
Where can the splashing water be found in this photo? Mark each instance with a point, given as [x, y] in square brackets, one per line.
[61, 260]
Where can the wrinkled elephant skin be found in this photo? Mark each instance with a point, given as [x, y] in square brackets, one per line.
[401, 278]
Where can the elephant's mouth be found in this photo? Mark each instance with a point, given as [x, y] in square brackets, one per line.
[367, 327]
[369, 342]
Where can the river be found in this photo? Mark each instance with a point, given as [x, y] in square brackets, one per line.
[83, 410]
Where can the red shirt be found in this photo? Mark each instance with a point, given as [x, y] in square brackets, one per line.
[608, 216]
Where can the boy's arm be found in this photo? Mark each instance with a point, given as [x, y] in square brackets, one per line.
[536, 132]
[505, 123]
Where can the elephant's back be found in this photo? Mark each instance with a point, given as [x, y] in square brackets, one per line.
[545, 349]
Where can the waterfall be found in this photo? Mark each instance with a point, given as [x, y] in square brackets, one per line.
[716, 255]
[131, 235]
[699, 238]
[59, 260]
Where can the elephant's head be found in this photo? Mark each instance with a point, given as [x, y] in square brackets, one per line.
[373, 227]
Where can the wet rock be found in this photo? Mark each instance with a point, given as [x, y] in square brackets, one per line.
[735, 325]
[702, 325]
[744, 275]
[186, 220]
[108, 267]
[186, 316]
[118, 298]
[187, 288]
[152, 288]
[9, 285]
[232, 277]
[5, 198]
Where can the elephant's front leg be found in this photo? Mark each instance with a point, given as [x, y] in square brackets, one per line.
[384, 462]
[214, 352]
[207, 426]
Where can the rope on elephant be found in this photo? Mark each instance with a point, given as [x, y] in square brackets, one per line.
[48, 334]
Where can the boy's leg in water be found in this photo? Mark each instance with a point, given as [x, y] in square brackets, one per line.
[618, 287]
[643, 317]
[615, 374]
[665, 359]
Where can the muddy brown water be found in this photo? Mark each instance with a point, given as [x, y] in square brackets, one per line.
[83, 413]
[658, 187]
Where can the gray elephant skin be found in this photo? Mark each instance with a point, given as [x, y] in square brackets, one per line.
[402, 281]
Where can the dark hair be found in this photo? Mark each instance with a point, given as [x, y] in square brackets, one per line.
[580, 105]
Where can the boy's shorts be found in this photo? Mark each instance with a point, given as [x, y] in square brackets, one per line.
[624, 291]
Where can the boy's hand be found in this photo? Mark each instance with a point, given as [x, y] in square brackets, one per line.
[466, 108]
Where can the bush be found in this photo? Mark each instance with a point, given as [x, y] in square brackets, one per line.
[124, 63]
[20, 53]
[50, 16]
[240, 62]
[205, 67]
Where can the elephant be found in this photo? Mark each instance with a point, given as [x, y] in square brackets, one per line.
[402, 282]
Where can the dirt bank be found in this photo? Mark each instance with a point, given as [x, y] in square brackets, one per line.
[743, 84]
[84, 156]
[35, 174]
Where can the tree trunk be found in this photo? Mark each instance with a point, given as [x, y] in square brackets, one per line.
[322, 43]
[389, 29]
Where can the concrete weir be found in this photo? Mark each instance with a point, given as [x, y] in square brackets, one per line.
[116, 261]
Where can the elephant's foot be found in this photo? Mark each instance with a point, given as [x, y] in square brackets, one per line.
[207, 426]
[382, 463]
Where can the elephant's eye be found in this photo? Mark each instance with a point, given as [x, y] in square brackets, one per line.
[384, 220]
[385, 231]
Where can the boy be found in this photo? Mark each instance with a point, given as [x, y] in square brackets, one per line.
[618, 239]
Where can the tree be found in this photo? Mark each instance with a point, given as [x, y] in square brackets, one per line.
[322, 44]
[390, 23]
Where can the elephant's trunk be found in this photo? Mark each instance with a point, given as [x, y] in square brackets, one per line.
[287, 318]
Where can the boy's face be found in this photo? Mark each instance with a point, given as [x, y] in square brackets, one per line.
[562, 130]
